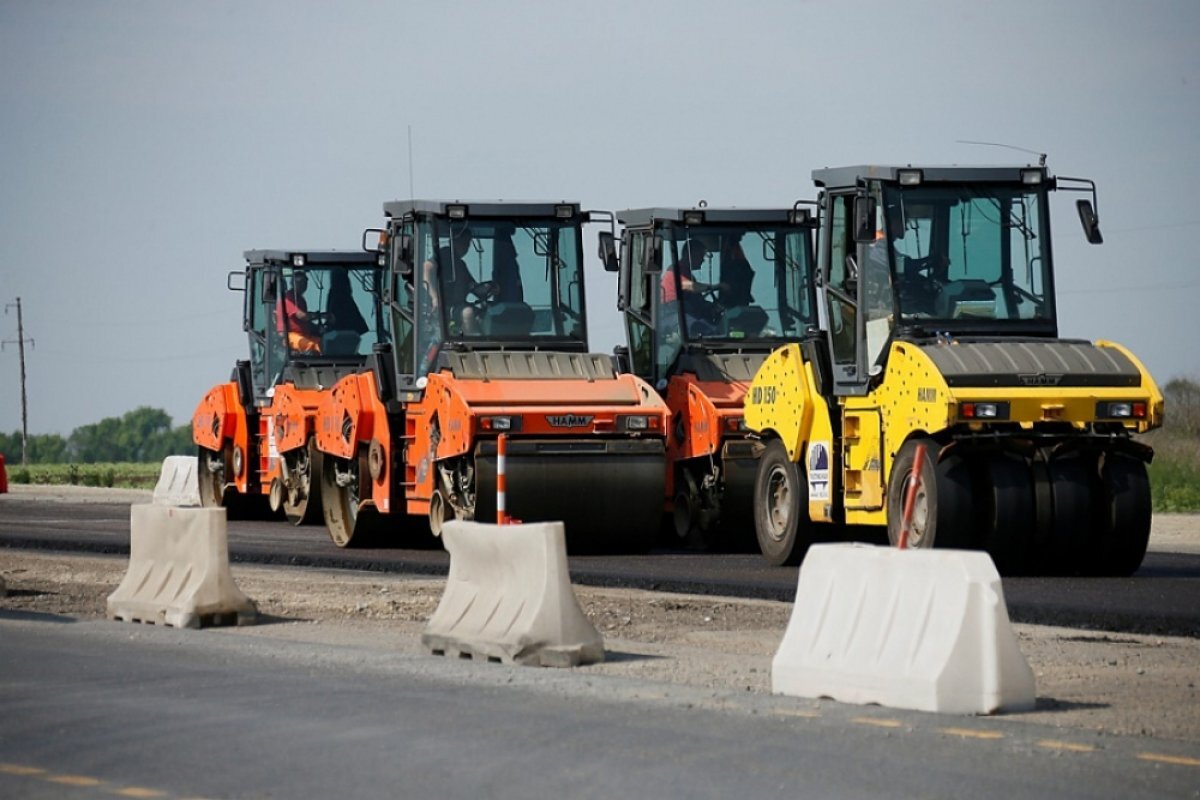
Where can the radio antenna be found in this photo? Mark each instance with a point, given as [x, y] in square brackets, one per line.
[1041, 156]
[411, 194]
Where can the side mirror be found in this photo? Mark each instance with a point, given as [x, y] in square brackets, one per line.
[240, 275]
[864, 219]
[1089, 220]
[654, 248]
[373, 239]
[608, 252]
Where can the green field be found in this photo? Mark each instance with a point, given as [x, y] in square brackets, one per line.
[119, 475]
[1175, 472]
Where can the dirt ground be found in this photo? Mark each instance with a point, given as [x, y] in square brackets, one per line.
[1106, 682]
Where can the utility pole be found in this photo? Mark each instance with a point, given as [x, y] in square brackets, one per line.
[20, 343]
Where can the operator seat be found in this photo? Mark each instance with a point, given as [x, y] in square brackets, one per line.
[340, 343]
[743, 322]
[966, 298]
[508, 319]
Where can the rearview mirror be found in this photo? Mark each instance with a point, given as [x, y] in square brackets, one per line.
[864, 219]
[654, 248]
[1089, 220]
[270, 287]
[402, 257]
[608, 252]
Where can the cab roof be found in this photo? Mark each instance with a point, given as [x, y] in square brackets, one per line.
[482, 208]
[311, 256]
[842, 177]
[644, 217]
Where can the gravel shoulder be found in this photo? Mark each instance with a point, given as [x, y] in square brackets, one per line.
[1087, 680]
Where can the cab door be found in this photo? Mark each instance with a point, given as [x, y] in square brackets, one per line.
[861, 447]
[637, 301]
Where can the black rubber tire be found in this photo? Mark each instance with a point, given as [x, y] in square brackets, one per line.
[942, 511]
[1006, 512]
[781, 507]
[304, 507]
[1073, 493]
[1041, 547]
[1125, 513]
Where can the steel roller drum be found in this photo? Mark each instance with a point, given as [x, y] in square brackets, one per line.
[607, 492]
[736, 528]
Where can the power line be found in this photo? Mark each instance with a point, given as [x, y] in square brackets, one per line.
[1164, 226]
[107, 358]
[1162, 287]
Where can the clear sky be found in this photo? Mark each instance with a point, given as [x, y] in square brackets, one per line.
[145, 145]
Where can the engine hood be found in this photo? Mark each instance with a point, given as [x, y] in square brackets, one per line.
[1031, 363]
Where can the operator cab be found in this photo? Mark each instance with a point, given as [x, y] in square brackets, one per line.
[474, 276]
[921, 253]
[310, 315]
[709, 280]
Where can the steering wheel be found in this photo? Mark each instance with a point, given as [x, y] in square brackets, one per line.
[709, 308]
[485, 291]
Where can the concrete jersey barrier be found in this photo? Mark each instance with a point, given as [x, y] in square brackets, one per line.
[917, 629]
[177, 484]
[179, 571]
[508, 598]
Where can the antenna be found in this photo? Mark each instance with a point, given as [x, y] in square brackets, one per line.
[411, 194]
[1041, 156]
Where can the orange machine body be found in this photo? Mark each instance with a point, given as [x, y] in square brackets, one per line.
[707, 293]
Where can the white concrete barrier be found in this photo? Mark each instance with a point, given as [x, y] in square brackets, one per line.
[508, 598]
[917, 629]
[179, 571]
[177, 484]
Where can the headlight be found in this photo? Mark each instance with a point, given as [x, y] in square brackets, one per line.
[983, 411]
[496, 423]
[637, 422]
[1121, 409]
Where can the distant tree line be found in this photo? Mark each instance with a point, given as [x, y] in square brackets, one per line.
[143, 435]
[1183, 406]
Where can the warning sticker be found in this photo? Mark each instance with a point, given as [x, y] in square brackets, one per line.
[818, 471]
